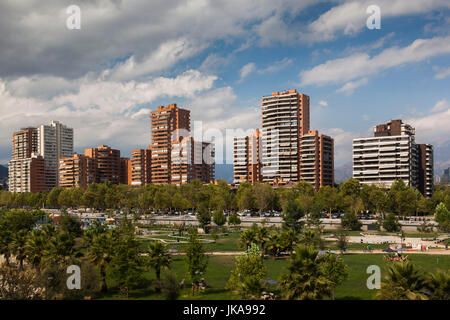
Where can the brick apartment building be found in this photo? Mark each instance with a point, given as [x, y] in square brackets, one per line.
[286, 149]
[141, 167]
[166, 125]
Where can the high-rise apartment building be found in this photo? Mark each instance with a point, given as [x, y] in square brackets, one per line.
[125, 171]
[285, 118]
[25, 143]
[77, 171]
[247, 158]
[392, 154]
[141, 170]
[107, 163]
[317, 159]
[55, 141]
[426, 169]
[169, 125]
[27, 174]
[192, 160]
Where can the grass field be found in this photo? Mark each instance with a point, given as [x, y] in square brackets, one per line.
[219, 268]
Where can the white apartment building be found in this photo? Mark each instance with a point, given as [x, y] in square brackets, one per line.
[26, 174]
[55, 141]
[392, 154]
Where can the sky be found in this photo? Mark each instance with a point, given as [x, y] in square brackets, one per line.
[218, 58]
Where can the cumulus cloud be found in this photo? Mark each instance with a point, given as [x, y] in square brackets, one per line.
[323, 103]
[361, 64]
[277, 66]
[246, 70]
[350, 86]
[433, 127]
[350, 16]
[441, 73]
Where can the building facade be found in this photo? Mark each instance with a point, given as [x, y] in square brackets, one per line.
[27, 174]
[317, 159]
[106, 162]
[247, 158]
[141, 167]
[55, 141]
[426, 169]
[169, 125]
[285, 117]
[192, 160]
[392, 154]
[25, 143]
[77, 171]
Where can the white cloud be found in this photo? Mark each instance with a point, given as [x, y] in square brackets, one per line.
[167, 54]
[433, 128]
[350, 16]
[441, 105]
[361, 64]
[441, 73]
[323, 103]
[246, 70]
[350, 86]
[277, 65]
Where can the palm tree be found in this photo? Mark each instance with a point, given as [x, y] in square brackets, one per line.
[309, 238]
[248, 237]
[404, 281]
[288, 240]
[305, 280]
[18, 246]
[101, 253]
[5, 240]
[439, 285]
[158, 258]
[273, 244]
[34, 249]
[262, 235]
[60, 249]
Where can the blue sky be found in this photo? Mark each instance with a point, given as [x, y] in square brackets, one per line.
[218, 58]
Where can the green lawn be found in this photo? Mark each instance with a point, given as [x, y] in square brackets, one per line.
[219, 269]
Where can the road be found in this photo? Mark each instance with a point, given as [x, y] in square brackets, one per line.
[248, 221]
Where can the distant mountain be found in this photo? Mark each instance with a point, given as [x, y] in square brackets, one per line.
[343, 172]
[3, 172]
[224, 171]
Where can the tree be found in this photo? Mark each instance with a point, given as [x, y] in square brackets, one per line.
[264, 196]
[403, 281]
[333, 268]
[288, 240]
[170, 287]
[305, 280]
[248, 237]
[342, 237]
[18, 284]
[18, 243]
[328, 197]
[196, 260]
[34, 249]
[439, 285]
[204, 216]
[391, 224]
[246, 279]
[442, 216]
[101, 253]
[291, 217]
[127, 263]
[350, 221]
[234, 219]
[406, 201]
[351, 187]
[219, 218]
[52, 198]
[310, 238]
[158, 258]
[70, 224]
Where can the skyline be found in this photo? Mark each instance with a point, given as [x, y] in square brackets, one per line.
[104, 87]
